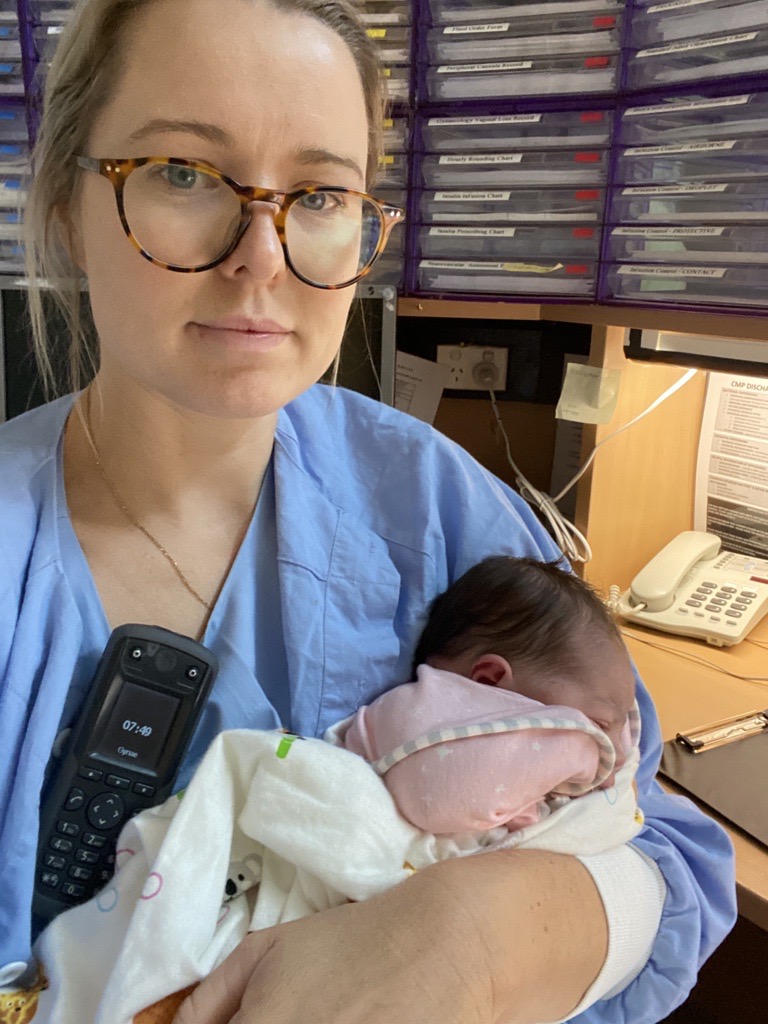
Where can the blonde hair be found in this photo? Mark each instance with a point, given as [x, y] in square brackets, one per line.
[79, 83]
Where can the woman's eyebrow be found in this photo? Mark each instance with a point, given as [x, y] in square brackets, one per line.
[314, 155]
[204, 130]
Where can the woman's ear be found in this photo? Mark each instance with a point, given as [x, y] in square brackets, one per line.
[493, 670]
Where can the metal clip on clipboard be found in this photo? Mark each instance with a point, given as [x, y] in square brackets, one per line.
[729, 730]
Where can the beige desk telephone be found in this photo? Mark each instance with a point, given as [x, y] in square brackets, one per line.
[693, 588]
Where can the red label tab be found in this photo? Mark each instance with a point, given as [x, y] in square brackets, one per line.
[597, 62]
[606, 22]
[589, 116]
[586, 194]
[583, 232]
[587, 158]
[576, 268]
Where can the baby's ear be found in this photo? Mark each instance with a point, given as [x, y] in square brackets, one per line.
[493, 670]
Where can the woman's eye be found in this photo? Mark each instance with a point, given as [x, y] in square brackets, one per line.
[317, 202]
[181, 177]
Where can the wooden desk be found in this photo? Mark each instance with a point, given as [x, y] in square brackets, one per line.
[689, 694]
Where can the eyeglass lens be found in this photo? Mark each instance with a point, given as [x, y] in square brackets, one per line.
[186, 217]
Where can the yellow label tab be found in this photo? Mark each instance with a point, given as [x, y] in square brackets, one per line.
[376, 33]
[389, 122]
[387, 160]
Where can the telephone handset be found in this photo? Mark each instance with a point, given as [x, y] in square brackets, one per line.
[693, 588]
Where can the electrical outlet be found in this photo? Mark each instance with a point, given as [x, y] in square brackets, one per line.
[474, 367]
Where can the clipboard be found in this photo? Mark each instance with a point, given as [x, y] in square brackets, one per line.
[725, 766]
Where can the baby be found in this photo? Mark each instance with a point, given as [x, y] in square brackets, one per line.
[524, 699]
[509, 636]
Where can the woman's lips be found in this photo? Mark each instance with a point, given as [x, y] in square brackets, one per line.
[239, 332]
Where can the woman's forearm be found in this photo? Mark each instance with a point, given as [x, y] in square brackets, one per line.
[540, 922]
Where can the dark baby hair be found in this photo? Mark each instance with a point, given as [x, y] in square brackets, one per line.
[532, 613]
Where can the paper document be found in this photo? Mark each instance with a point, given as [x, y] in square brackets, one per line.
[419, 386]
[732, 468]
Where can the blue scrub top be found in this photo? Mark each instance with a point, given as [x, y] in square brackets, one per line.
[375, 514]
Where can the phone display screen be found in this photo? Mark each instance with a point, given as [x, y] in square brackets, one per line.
[137, 727]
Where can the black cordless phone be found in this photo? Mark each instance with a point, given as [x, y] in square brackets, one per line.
[121, 757]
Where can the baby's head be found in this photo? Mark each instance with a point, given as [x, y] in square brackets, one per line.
[539, 630]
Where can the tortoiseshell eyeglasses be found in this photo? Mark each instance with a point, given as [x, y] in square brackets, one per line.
[186, 216]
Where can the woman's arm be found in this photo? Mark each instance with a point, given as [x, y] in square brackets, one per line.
[513, 936]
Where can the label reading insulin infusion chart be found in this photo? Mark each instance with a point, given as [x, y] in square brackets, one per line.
[483, 158]
[467, 122]
[472, 232]
[693, 147]
[471, 197]
[499, 65]
[643, 271]
[660, 51]
[669, 232]
[474, 30]
[673, 108]
[673, 190]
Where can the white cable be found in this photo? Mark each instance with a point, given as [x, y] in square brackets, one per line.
[662, 398]
[571, 541]
[568, 538]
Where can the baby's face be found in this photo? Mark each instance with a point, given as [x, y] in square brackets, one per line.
[602, 687]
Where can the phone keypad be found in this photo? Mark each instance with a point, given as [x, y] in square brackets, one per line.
[728, 603]
[79, 858]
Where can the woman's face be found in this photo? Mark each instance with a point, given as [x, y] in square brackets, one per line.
[271, 99]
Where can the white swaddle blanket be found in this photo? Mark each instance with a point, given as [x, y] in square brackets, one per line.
[270, 829]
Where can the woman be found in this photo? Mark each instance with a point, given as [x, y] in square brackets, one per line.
[202, 484]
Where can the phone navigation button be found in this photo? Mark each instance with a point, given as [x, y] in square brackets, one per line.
[105, 811]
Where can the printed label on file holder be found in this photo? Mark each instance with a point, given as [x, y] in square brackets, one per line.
[472, 232]
[702, 44]
[645, 271]
[642, 232]
[474, 30]
[693, 147]
[482, 158]
[467, 122]
[674, 5]
[510, 268]
[673, 108]
[471, 197]
[673, 190]
[499, 65]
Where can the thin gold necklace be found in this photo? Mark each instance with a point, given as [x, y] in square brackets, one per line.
[128, 514]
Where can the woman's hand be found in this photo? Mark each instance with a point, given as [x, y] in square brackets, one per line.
[512, 936]
[411, 954]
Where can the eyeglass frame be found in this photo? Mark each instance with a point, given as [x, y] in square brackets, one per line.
[116, 171]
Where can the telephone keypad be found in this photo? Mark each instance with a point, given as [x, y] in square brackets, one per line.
[719, 601]
[118, 782]
[728, 590]
[748, 593]
[693, 604]
[62, 845]
[732, 613]
[75, 800]
[713, 608]
[713, 586]
[739, 607]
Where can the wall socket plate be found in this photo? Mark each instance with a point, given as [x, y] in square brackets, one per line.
[474, 367]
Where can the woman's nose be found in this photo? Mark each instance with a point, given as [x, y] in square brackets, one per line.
[259, 251]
